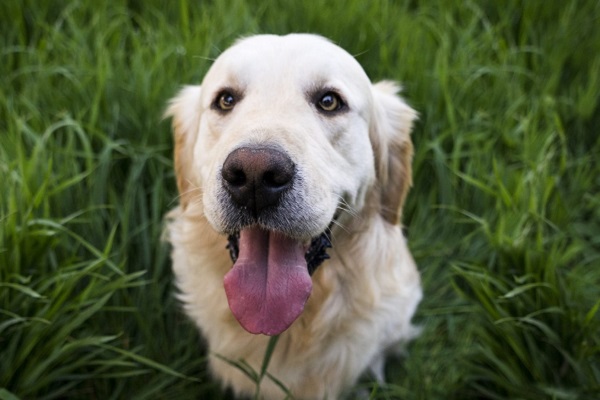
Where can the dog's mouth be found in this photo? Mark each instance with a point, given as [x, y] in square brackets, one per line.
[270, 281]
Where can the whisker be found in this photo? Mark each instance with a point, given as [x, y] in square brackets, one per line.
[344, 206]
[188, 192]
[339, 225]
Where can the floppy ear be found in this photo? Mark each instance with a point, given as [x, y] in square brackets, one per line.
[185, 111]
[390, 138]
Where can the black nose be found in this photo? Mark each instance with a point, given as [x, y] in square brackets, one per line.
[256, 177]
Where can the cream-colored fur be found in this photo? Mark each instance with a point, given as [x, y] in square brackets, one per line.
[355, 165]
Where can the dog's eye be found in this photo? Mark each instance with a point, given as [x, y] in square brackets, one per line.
[225, 101]
[330, 101]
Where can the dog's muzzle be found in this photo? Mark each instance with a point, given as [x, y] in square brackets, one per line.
[270, 280]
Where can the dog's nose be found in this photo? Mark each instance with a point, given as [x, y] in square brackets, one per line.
[256, 177]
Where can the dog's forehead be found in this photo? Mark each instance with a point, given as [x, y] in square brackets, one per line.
[296, 55]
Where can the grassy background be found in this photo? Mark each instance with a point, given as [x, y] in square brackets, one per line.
[503, 219]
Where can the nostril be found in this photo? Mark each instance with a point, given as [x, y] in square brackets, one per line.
[235, 176]
[276, 179]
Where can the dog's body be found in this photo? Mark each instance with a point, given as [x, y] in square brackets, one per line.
[285, 140]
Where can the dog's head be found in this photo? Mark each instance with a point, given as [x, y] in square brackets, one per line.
[285, 135]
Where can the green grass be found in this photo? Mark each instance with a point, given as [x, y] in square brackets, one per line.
[503, 218]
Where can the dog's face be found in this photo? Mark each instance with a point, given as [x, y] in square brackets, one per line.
[285, 136]
[303, 98]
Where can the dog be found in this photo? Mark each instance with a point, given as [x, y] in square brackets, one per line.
[292, 169]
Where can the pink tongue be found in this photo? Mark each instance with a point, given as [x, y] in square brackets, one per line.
[269, 283]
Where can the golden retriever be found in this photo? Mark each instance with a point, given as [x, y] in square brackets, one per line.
[292, 169]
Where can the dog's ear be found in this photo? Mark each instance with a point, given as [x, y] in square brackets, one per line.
[184, 108]
[390, 137]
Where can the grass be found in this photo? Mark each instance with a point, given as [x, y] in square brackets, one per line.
[503, 219]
